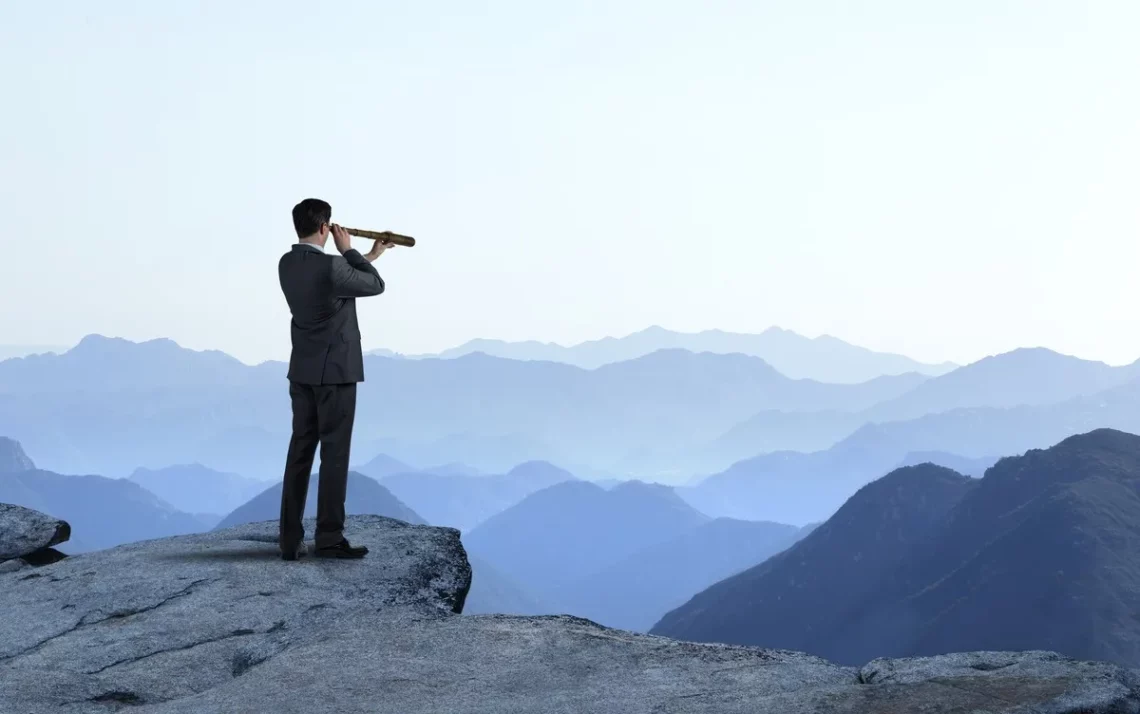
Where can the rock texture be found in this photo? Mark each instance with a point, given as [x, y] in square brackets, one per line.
[24, 531]
[216, 622]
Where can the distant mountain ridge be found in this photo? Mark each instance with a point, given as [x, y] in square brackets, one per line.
[11, 351]
[633, 593]
[796, 487]
[364, 495]
[186, 406]
[1019, 378]
[1043, 552]
[194, 488]
[463, 501]
[824, 358]
[665, 416]
[572, 529]
[110, 511]
[842, 561]
[12, 457]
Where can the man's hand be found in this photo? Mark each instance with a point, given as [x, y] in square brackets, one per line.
[378, 249]
[341, 239]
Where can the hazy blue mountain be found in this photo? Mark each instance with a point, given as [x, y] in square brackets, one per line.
[1042, 553]
[567, 531]
[105, 511]
[805, 530]
[364, 495]
[383, 352]
[1022, 377]
[808, 591]
[453, 468]
[608, 483]
[1032, 377]
[382, 465]
[194, 488]
[969, 466]
[462, 501]
[493, 592]
[209, 521]
[493, 453]
[633, 593]
[178, 405]
[982, 433]
[652, 417]
[824, 358]
[12, 457]
[101, 364]
[791, 487]
[475, 407]
[11, 351]
[185, 406]
[773, 430]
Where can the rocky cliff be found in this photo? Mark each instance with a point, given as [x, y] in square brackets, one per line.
[216, 622]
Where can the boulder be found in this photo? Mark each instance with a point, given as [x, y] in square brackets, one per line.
[24, 531]
[217, 622]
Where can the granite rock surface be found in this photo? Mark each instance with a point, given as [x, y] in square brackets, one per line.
[217, 622]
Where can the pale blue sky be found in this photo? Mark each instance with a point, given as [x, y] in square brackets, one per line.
[947, 180]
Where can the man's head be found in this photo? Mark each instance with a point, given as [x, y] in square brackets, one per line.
[311, 220]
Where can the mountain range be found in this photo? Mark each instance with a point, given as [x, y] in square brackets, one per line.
[634, 592]
[1041, 553]
[110, 511]
[364, 495]
[194, 488]
[463, 501]
[824, 358]
[1022, 377]
[665, 416]
[185, 406]
[796, 487]
[572, 529]
[10, 351]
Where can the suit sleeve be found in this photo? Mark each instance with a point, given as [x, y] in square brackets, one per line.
[353, 276]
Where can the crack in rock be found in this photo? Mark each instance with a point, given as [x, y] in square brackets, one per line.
[246, 659]
[118, 697]
[192, 645]
[989, 667]
[117, 614]
[128, 611]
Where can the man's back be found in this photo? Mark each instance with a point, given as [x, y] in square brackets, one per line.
[321, 291]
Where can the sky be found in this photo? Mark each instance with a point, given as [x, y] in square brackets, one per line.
[943, 180]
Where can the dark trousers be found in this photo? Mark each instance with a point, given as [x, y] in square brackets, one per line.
[321, 413]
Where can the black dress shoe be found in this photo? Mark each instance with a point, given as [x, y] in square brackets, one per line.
[294, 553]
[342, 550]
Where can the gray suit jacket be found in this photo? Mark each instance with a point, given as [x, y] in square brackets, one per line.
[321, 291]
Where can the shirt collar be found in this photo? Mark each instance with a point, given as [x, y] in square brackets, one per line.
[311, 246]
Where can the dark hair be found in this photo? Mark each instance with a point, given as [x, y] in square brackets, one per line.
[308, 215]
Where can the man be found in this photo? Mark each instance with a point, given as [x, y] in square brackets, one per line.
[324, 367]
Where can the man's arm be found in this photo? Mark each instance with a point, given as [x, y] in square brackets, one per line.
[355, 277]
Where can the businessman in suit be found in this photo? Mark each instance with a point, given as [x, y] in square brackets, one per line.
[324, 367]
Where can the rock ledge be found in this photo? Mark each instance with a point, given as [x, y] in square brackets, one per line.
[217, 622]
